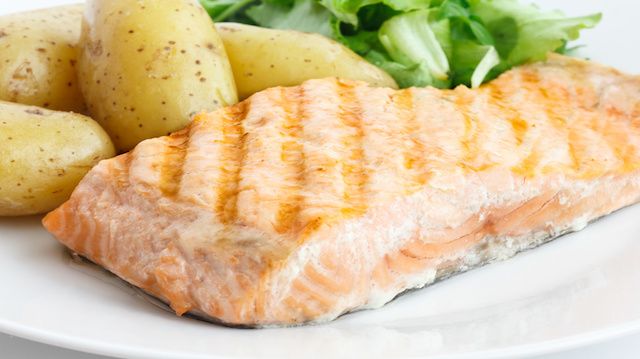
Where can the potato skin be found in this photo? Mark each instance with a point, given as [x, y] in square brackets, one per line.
[262, 58]
[146, 66]
[38, 54]
[43, 156]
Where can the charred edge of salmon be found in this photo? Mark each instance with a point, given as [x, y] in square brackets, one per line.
[486, 250]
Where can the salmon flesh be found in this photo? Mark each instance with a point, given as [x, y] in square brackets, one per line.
[304, 203]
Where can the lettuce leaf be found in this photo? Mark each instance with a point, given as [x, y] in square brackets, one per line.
[347, 10]
[227, 10]
[405, 75]
[300, 15]
[417, 40]
[441, 43]
[524, 33]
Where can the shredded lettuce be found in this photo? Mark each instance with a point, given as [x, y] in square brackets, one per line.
[227, 10]
[524, 33]
[441, 43]
[490, 60]
[347, 11]
[300, 15]
[417, 39]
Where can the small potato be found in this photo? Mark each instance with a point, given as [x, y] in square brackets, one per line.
[43, 156]
[263, 58]
[38, 55]
[147, 66]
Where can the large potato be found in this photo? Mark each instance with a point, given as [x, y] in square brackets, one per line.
[43, 156]
[38, 56]
[147, 65]
[263, 58]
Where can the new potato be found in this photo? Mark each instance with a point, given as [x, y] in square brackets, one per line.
[147, 66]
[43, 156]
[38, 55]
[262, 58]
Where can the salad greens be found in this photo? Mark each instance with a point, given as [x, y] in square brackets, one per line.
[441, 43]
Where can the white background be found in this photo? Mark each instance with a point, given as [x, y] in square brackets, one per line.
[623, 348]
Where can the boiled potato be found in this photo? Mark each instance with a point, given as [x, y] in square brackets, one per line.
[38, 56]
[263, 58]
[146, 66]
[43, 156]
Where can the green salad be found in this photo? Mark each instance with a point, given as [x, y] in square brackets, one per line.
[441, 43]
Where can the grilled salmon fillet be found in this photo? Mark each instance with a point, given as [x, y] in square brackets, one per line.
[304, 203]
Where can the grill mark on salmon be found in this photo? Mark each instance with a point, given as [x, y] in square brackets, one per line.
[120, 167]
[265, 177]
[520, 127]
[353, 167]
[324, 186]
[233, 153]
[463, 103]
[303, 203]
[483, 136]
[552, 120]
[414, 152]
[172, 168]
[202, 157]
[292, 101]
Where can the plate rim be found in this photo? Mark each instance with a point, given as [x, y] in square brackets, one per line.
[104, 348]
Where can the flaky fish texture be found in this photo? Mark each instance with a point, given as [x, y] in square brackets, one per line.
[304, 203]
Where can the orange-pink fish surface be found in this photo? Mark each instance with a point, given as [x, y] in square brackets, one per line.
[304, 203]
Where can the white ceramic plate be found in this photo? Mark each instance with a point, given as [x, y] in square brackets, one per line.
[577, 290]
